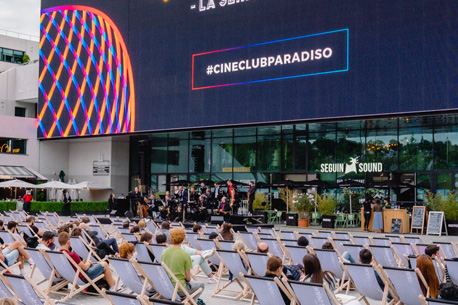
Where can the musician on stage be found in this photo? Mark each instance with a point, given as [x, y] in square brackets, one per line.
[135, 198]
[203, 188]
[233, 198]
[224, 208]
[155, 205]
[169, 209]
[251, 196]
[217, 193]
[201, 207]
[184, 203]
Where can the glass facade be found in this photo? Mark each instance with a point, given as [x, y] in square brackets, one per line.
[426, 147]
[13, 56]
[13, 146]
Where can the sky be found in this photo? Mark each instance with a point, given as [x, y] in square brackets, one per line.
[22, 16]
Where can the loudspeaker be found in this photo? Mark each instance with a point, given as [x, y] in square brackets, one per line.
[217, 219]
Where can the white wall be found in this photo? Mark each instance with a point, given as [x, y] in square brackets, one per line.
[31, 48]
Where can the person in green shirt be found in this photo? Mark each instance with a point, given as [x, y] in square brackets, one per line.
[179, 262]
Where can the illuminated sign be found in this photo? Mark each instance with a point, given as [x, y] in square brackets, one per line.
[355, 166]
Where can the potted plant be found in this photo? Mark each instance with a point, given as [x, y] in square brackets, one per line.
[326, 206]
[303, 205]
[449, 205]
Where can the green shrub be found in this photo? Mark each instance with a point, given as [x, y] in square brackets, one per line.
[449, 204]
[327, 205]
[258, 200]
[53, 206]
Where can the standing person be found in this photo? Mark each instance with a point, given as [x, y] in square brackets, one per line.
[134, 200]
[203, 188]
[27, 202]
[367, 212]
[184, 203]
[251, 196]
[67, 199]
[378, 218]
[180, 263]
[111, 203]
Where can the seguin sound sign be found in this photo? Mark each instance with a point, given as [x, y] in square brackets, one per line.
[354, 166]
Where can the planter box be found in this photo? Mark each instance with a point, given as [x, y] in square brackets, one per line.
[303, 223]
[291, 219]
[452, 227]
[328, 221]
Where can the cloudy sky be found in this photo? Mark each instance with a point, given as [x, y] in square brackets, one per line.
[21, 16]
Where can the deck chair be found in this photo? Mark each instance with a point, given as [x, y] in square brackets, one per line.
[26, 229]
[128, 274]
[266, 290]
[419, 248]
[191, 237]
[28, 291]
[47, 270]
[224, 244]
[440, 272]
[337, 244]
[151, 227]
[394, 238]
[160, 275]
[353, 250]
[252, 229]
[53, 220]
[129, 237]
[412, 239]
[429, 301]
[325, 234]
[4, 268]
[318, 242]
[83, 250]
[307, 235]
[341, 235]
[405, 282]
[258, 262]
[289, 242]
[270, 231]
[311, 294]
[249, 239]
[157, 251]
[363, 276]
[380, 241]
[274, 247]
[402, 249]
[447, 249]
[211, 229]
[295, 253]
[385, 256]
[452, 268]
[7, 237]
[101, 233]
[143, 250]
[329, 260]
[209, 244]
[64, 265]
[362, 240]
[233, 262]
[288, 235]
[117, 298]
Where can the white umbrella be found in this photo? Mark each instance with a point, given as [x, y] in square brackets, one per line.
[91, 186]
[57, 185]
[73, 192]
[18, 183]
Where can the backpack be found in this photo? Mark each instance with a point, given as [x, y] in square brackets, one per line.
[448, 291]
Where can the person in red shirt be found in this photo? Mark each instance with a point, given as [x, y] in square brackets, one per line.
[27, 201]
[93, 270]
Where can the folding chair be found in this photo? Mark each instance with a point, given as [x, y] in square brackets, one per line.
[405, 282]
[128, 274]
[362, 240]
[129, 237]
[28, 291]
[274, 247]
[151, 226]
[353, 250]
[337, 244]
[296, 253]
[266, 290]
[452, 268]
[448, 250]
[252, 229]
[412, 239]
[312, 294]
[224, 244]
[258, 262]
[7, 292]
[160, 275]
[341, 219]
[261, 235]
[289, 242]
[402, 249]
[363, 276]
[419, 248]
[143, 252]
[209, 244]
[191, 237]
[7, 237]
[83, 250]
[385, 256]
[266, 230]
[318, 242]
[46, 269]
[211, 229]
[307, 235]
[341, 235]
[429, 301]
[157, 251]
[101, 233]
[53, 219]
[325, 234]
[380, 241]
[394, 238]
[233, 262]
[440, 272]
[288, 235]
[117, 298]
[249, 239]
[64, 265]
[329, 260]
[27, 230]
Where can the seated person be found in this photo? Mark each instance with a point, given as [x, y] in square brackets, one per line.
[127, 250]
[365, 257]
[302, 241]
[274, 269]
[148, 237]
[12, 253]
[433, 252]
[93, 270]
[427, 269]
[161, 239]
[102, 248]
[291, 272]
[47, 241]
[165, 229]
[180, 264]
[314, 274]
[327, 246]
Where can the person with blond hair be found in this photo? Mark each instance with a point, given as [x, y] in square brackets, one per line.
[180, 263]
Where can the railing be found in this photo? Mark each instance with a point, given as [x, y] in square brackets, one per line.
[19, 35]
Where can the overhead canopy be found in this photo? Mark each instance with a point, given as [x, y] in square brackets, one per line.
[91, 186]
[58, 185]
[13, 172]
[17, 183]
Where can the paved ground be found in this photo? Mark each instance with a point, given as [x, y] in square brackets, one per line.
[209, 289]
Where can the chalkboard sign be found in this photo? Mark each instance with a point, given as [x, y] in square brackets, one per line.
[418, 218]
[435, 221]
[396, 225]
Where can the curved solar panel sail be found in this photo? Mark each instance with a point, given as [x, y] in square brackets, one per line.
[86, 85]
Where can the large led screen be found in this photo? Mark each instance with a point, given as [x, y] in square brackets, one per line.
[123, 66]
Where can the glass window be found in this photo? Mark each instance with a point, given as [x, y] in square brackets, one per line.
[8, 55]
[321, 149]
[218, 133]
[423, 184]
[200, 135]
[446, 147]
[218, 177]
[301, 150]
[350, 144]
[415, 148]
[200, 157]
[177, 155]
[222, 152]
[245, 131]
[268, 130]
[13, 146]
[382, 146]
[443, 184]
[158, 154]
[244, 154]
[269, 153]
[287, 152]
[19, 112]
